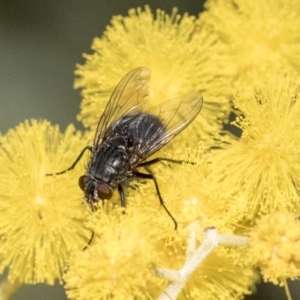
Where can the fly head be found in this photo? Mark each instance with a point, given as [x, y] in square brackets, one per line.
[94, 190]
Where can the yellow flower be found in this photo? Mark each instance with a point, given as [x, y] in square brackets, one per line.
[41, 216]
[260, 172]
[181, 57]
[186, 191]
[224, 274]
[120, 262]
[260, 34]
[274, 247]
[143, 239]
[213, 274]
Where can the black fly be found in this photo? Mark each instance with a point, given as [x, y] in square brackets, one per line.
[128, 133]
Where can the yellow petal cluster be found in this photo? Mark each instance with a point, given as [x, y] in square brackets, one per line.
[225, 274]
[41, 216]
[224, 182]
[260, 171]
[119, 263]
[260, 34]
[182, 58]
[185, 189]
[144, 239]
[274, 246]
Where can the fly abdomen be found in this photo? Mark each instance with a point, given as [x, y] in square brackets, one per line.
[134, 132]
[145, 129]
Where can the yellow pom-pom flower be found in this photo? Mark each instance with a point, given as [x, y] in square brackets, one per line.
[41, 216]
[225, 274]
[186, 191]
[181, 57]
[260, 171]
[119, 263]
[274, 247]
[260, 34]
[127, 249]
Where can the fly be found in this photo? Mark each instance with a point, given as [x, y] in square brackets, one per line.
[128, 133]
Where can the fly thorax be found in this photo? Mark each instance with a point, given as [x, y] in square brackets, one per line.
[109, 164]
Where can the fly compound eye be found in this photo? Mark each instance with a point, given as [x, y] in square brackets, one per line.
[81, 182]
[104, 191]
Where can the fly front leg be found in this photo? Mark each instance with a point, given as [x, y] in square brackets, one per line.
[90, 240]
[122, 196]
[74, 163]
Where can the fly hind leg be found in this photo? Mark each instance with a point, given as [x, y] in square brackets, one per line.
[152, 177]
[159, 159]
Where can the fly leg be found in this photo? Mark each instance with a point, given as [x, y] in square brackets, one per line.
[159, 159]
[74, 163]
[152, 177]
[71, 168]
[122, 197]
[89, 242]
[122, 201]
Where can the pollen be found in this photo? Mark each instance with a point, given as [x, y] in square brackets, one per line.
[41, 200]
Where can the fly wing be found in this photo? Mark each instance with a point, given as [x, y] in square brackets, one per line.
[130, 91]
[175, 115]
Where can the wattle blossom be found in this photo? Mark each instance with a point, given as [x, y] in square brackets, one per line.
[41, 216]
[260, 172]
[260, 35]
[162, 43]
[274, 247]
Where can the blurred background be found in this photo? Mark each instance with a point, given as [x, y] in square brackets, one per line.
[40, 44]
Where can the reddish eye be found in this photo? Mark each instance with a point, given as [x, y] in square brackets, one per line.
[81, 181]
[104, 191]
